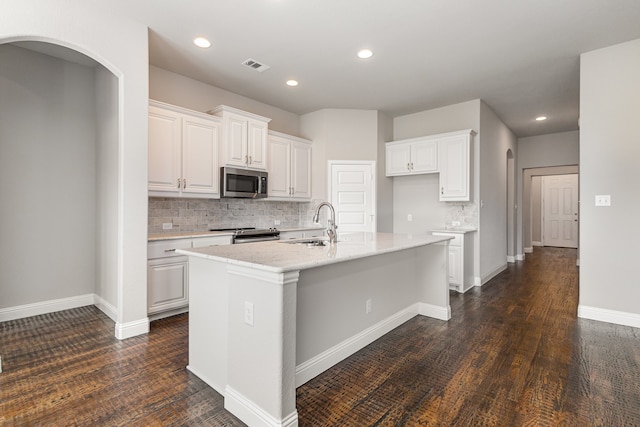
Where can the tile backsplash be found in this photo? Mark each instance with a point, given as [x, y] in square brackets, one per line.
[189, 215]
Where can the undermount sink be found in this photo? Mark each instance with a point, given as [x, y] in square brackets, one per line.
[308, 242]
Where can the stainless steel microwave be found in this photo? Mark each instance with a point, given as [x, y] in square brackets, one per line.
[243, 183]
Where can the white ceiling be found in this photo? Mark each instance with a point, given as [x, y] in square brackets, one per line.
[521, 57]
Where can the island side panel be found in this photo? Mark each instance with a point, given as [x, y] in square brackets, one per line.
[208, 294]
[333, 301]
[432, 266]
[261, 366]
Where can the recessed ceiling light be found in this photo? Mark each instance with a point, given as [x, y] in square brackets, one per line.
[292, 82]
[541, 118]
[202, 42]
[365, 54]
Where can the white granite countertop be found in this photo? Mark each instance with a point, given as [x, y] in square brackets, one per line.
[457, 230]
[192, 234]
[282, 256]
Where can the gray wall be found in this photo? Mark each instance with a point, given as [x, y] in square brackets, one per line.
[182, 91]
[609, 156]
[543, 151]
[495, 142]
[418, 194]
[47, 178]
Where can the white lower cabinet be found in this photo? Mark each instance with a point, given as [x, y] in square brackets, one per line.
[301, 234]
[168, 273]
[460, 260]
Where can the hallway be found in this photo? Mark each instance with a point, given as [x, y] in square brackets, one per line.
[512, 354]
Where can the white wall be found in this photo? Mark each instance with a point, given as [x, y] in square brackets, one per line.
[47, 177]
[551, 150]
[495, 141]
[177, 89]
[120, 45]
[609, 155]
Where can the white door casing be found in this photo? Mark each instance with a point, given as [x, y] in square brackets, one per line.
[352, 191]
[560, 210]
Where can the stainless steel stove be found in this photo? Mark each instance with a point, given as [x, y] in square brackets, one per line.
[251, 234]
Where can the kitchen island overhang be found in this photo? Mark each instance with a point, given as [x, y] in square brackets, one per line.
[267, 317]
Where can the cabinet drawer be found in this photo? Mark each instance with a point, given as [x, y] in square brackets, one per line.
[457, 238]
[201, 242]
[166, 248]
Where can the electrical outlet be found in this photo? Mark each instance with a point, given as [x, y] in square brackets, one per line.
[167, 225]
[409, 217]
[368, 306]
[276, 222]
[248, 313]
[603, 200]
[455, 223]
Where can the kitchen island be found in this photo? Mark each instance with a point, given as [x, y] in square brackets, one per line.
[267, 317]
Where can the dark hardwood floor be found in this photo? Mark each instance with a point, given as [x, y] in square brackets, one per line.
[513, 354]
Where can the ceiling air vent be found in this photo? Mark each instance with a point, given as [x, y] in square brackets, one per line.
[255, 65]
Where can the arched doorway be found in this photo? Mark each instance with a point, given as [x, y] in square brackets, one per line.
[59, 156]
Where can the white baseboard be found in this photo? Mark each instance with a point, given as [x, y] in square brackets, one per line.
[45, 307]
[132, 329]
[435, 311]
[511, 259]
[528, 250]
[494, 273]
[537, 244]
[323, 361]
[214, 385]
[105, 307]
[252, 414]
[477, 281]
[609, 316]
[520, 257]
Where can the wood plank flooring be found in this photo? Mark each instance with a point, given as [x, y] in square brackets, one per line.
[513, 354]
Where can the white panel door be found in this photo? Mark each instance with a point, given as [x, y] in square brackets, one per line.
[560, 200]
[352, 189]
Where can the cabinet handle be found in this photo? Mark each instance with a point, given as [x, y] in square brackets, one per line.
[246, 160]
[411, 165]
[408, 166]
[184, 183]
[441, 190]
[250, 161]
[169, 250]
[178, 182]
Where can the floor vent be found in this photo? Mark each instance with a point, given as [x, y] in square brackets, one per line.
[255, 65]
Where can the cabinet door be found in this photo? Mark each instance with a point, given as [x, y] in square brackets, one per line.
[424, 156]
[236, 141]
[200, 172]
[455, 265]
[301, 171]
[398, 159]
[279, 184]
[167, 283]
[257, 144]
[164, 150]
[454, 168]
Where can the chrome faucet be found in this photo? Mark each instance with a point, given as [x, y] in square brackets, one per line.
[331, 222]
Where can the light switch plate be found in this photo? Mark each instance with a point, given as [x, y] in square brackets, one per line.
[603, 200]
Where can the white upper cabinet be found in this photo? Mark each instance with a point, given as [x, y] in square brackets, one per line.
[289, 167]
[411, 156]
[183, 152]
[447, 153]
[243, 139]
[455, 167]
